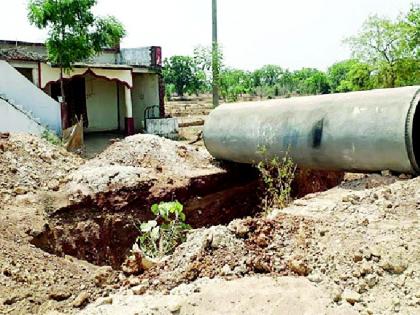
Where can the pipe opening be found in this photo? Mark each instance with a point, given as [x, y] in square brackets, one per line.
[416, 135]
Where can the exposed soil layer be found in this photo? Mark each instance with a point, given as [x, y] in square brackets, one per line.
[70, 207]
[358, 243]
[101, 234]
[112, 193]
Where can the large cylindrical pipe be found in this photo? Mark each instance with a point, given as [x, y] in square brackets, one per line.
[359, 131]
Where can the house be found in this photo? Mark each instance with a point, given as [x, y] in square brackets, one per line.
[112, 92]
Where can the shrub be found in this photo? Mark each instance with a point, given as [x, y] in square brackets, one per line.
[160, 236]
[51, 137]
[277, 175]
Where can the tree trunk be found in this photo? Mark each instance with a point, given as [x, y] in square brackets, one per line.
[63, 97]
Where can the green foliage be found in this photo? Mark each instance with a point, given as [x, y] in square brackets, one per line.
[386, 53]
[234, 83]
[159, 237]
[350, 75]
[311, 81]
[277, 175]
[51, 137]
[391, 48]
[184, 74]
[74, 33]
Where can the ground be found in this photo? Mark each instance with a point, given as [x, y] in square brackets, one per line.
[353, 249]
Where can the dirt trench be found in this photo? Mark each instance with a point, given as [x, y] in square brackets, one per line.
[101, 232]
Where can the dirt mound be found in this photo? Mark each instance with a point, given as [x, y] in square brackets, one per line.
[142, 158]
[357, 242]
[28, 164]
[250, 295]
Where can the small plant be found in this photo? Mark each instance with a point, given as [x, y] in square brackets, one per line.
[277, 175]
[159, 237]
[51, 137]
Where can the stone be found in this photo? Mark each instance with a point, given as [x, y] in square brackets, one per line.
[20, 190]
[174, 307]
[366, 268]
[371, 280]
[104, 301]
[394, 265]
[315, 277]
[133, 264]
[350, 296]
[358, 257]
[103, 276]
[226, 270]
[59, 295]
[239, 228]
[140, 289]
[298, 267]
[81, 299]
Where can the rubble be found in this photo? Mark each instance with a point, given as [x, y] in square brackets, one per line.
[29, 164]
[354, 247]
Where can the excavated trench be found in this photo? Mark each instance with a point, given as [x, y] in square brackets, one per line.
[101, 230]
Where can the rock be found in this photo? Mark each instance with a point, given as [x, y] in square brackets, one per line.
[20, 190]
[366, 268]
[386, 173]
[394, 265]
[81, 299]
[103, 276]
[140, 289]
[337, 294]
[350, 296]
[239, 228]
[226, 271]
[104, 301]
[298, 267]
[371, 280]
[133, 264]
[174, 307]
[59, 295]
[358, 257]
[315, 277]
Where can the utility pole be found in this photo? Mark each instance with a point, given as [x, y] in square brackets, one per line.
[215, 56]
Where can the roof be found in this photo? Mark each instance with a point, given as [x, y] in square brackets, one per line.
[21, 53]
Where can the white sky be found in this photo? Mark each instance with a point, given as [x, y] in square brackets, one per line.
[289, 33]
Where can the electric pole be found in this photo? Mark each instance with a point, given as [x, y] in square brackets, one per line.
[215, 56]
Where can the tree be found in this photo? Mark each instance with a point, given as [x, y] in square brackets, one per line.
[203, 58]
[311, 81]
[74, 33]
[234, 82]
[350, 75]
[184, 73]
[268, 75]
[387, 46]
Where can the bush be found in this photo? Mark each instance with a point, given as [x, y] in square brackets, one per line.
[277, 175]
[51, 137]
[162, 235]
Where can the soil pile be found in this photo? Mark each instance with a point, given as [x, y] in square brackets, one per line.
[142, 158]
[29, 164]
[357, 242]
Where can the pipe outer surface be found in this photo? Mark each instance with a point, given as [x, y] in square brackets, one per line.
[364, 131]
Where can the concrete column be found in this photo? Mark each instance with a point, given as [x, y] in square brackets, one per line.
[129, 121]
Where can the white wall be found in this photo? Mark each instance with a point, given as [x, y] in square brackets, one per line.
[145, 93]
[101, 103]
[20, 90]
[14, 120]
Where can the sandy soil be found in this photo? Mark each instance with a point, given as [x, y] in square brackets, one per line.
[352, 249]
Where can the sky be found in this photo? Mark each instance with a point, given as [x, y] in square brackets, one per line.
[252, 33]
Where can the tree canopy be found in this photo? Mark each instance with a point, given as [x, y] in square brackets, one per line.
[386, 53]
[74, 33]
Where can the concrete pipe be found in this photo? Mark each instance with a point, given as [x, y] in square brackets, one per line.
[365, 131]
